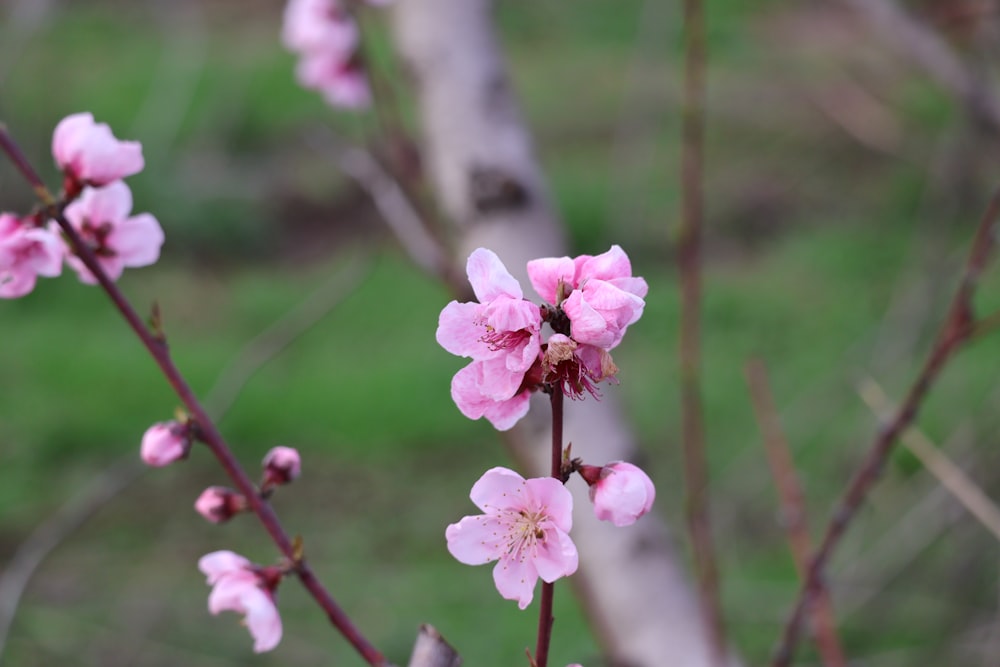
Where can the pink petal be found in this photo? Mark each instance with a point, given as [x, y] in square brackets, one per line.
[16, 283]
[587, 325]
[459, 333]
[516, 579]
[507, 314]
[219, 563]
[110, 204]
[551, 496]
[612, 264]
[476, 540]
[47, 255]
[65, 137]
[262, 619]
[556, 556]
[545, 275]
[348, 88]
[636, 286]
[489, 277]
[137, 240]
[500, 489]
[498, 382]
[504, 414]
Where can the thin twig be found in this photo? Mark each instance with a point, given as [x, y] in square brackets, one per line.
[208, 433]
[545, 618]
[689, 264]
[793, 509]
[947, 473]
[957, 329]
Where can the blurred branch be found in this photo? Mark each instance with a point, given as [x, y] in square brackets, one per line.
[933, 54]
[793, 510]
[387, 193]
[689, 264]
[956, 330]
[947, 473]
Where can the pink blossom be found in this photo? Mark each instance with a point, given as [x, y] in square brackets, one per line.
[525, 528]
[576, 368]
[502, 330]
[89, 153]
[621, 493]
[598, 294]
[282, 465]
[237, 585]
[319, 25]
[164, 443]
[219, 504]
[467, 392]
[341, 82]
[101, 217]
[26, 252]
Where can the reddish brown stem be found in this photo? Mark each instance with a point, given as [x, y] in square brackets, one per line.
[792, 508]
[689, 264]
[956, 330]
[207, 431]
[545, 618]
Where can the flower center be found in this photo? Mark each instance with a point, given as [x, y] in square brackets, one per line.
[502, 340]
[524, 534]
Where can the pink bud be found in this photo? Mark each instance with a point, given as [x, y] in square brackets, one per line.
[165, 443]
[281, 466]
[219, 504]
[622, 494]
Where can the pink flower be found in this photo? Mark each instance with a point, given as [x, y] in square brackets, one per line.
[164, 443]
[319, 25]
[101, 217]
[26, 252]
[467, 392]
[524, 528]
[342, 82]
[326, 38]
[89, 153]
[502, 330]
[237, 585]
[621, 492]
[219, 504]
[281, 465]
[598, 294]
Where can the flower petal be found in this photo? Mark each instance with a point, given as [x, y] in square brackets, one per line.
[476, 540]
[556, 556]
[500, 489]
[551, 496]
[515, 580]
[546, 273]
[489, 277]
[137, 240]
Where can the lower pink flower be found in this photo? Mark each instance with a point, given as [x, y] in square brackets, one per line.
[524, 527]
[238, 585]
[621, 493]
[101, 217]
[26, 252]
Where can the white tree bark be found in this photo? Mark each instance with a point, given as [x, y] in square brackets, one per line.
[480, 160]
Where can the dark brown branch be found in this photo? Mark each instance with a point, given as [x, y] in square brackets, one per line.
[689, 264]
[545, 618]
[207, 431]
[793, 510]
[958, 328]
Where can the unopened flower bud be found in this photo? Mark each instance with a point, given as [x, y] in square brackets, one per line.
[164, 443]
[281, 466]
[621, 492]
[219, 504]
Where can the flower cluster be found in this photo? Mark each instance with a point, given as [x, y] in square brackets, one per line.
[325, 36]
[99, 208]
[591, 301]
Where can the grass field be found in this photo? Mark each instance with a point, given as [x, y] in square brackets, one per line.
[825, 258]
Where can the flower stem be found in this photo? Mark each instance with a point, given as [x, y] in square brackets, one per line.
[207, 431]
[545, 618]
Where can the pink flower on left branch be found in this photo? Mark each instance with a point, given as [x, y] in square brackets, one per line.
[524, 527]
[101, 216]
[26, 252]
[239, 585]
[89, 154]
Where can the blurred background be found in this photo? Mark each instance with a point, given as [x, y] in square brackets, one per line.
[845, 177]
